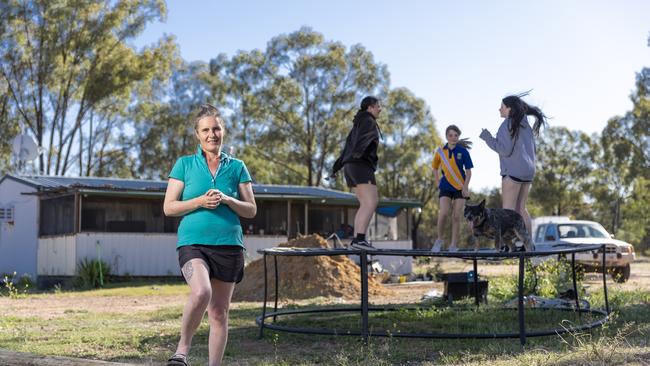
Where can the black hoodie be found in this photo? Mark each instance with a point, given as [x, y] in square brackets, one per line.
[361, 143]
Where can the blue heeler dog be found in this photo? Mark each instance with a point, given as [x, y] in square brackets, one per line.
[502, 225]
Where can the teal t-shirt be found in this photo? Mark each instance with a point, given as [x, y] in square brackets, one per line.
[219, 226]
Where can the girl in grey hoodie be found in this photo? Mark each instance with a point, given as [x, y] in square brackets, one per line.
[515, 145]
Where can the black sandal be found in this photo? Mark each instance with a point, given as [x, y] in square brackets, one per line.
[177, 359]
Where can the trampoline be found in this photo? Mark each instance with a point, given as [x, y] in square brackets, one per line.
[599, 316]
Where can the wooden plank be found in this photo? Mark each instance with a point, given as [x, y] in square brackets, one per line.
[27, 359]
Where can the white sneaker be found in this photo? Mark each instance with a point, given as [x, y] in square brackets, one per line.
[452, 248]
[437, 245]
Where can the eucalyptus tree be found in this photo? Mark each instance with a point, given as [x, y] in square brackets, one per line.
[297, 112]
[563, 165]
[410, 137]
[68, 64]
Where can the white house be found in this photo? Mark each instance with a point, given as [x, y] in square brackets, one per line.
[49, 224]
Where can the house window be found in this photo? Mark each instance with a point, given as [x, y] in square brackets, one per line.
[125, 215]
[327, 220]
[57, 216]
[271, 219]
[6, 214]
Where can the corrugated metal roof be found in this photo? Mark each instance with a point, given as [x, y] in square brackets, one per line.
[54, 183]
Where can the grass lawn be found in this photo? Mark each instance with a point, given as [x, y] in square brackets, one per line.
[130, 333]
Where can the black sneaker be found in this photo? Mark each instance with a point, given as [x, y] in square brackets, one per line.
[361, 244]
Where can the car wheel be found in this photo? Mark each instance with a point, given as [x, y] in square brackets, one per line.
[621, 274]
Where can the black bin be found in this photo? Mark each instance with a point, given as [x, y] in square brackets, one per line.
[459, 285]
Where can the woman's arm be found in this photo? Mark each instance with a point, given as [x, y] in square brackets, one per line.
[174, 207]
[246, 207]
[502, 144]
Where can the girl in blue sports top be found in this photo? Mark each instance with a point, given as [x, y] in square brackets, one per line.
[456, 165]
[515, 144]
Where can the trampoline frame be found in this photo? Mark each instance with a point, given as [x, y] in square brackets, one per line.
[601, 315]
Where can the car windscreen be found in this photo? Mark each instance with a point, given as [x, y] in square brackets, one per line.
[579, 231]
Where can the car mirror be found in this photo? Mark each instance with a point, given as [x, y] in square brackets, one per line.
[549, 238]
[611, 235]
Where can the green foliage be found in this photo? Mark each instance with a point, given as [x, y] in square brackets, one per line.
[17, 289]
[70, 74]
[410, 136]
[291, 105]
[92, 273]
[9, 128]
[548, 279]
[562, 168]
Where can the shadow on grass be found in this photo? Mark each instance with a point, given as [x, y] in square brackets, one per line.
[151, 337]
[282, 348]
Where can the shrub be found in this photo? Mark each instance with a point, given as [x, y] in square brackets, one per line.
[17, 288]
[548, 279]
[92, 273]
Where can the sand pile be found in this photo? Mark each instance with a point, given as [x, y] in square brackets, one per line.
[306, 277]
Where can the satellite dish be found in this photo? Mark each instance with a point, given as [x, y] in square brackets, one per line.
[25, 148]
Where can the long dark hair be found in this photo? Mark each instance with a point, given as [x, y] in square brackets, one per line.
[519, 109]
[466, 143]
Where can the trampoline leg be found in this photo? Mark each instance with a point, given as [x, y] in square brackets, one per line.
[364, 294]
[520, 303]
[476, 282]
[605, 279]
[261, 335]
[277, 280]
[575, 283]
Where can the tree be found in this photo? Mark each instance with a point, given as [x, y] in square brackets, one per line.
[623, 166]
[164, 122]
[563, 164]
[68, 64]
[303, 102]
[9, 128]
[405, 155]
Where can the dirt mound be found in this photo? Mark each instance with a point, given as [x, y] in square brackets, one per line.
[306, 277]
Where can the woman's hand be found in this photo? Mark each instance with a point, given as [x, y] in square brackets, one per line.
[485, 134]
[465, 192]
[210, 199]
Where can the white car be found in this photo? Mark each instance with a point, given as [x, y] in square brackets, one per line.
[549, 231]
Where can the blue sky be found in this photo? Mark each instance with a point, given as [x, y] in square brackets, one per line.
[579, 57]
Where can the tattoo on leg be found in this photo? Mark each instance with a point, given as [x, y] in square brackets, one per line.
[188, 271]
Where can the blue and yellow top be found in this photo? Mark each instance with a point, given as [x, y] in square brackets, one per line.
[453, 174]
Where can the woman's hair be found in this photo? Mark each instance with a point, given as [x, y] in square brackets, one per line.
[466, 143]
[207, 110]
[519, 109]
[365, 104]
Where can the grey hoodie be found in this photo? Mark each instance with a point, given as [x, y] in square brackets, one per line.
[516, 161]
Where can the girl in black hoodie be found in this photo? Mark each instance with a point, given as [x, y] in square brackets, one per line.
[359, 162]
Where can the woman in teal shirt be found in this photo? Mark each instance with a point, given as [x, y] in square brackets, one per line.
[210, 189]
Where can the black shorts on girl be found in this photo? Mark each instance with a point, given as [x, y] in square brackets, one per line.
[225, 262]
[451, 194]
[516, 180]
[358, 173]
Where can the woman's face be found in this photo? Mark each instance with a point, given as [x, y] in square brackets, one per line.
[375, 109]
[210, 134]
[505, 111]
[452, 137]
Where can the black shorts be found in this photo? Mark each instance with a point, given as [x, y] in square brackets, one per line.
[517, 180]
[225, 262]
[358, 173]
[451, 194]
